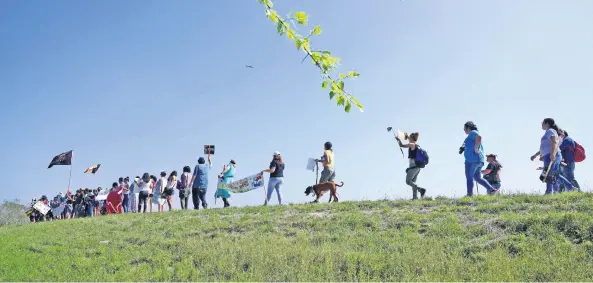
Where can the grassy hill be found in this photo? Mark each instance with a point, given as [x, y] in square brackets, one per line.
[519, 238]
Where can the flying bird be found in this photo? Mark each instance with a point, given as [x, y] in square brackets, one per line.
[248, 66]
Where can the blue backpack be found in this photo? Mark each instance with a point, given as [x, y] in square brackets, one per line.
[421, 157]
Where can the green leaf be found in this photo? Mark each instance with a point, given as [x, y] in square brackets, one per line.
[268, 3]
[342, 76]
[272, 15]
[353, 74]
[340, 99]
[306, 45]
[280, 28]
[301, 18]
[357, 103]
[341, 85]
[324, 85]
[348, 106]
[316, 30]
[331, 95]
[326, 52]
[290, 33]
[298, 43]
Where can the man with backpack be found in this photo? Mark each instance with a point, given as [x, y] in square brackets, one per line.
[418, 159]
[572, 152]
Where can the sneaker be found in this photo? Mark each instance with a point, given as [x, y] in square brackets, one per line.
[422, 192]
[493, 192]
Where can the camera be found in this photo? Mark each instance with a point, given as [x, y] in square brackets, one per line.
[461, 149]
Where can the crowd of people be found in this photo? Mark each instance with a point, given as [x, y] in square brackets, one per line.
[558, 151]
[148, 193]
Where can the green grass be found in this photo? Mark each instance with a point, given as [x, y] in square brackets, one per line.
[518, 238]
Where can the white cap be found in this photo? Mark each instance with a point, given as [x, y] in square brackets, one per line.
[276, 153]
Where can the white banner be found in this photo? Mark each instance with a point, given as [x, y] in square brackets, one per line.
[102, 195]
[41, 207]
[247, 184]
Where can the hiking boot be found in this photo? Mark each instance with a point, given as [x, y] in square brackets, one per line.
[422, 192]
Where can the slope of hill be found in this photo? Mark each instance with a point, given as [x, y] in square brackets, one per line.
[518, 238]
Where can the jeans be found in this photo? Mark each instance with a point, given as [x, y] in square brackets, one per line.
[552, 184]
[199, 194]
[126, 203]
[411, 175]
[89, 209]
[142, 199]
[183, 200]
[568, 172]
[473, 172]
[274, 184]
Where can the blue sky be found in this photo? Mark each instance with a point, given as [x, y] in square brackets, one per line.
[141, 86]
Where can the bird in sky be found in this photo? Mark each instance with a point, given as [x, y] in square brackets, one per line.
[248, 66]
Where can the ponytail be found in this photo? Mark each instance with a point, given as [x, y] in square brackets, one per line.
[470, 125]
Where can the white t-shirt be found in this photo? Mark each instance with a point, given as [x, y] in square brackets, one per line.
[144, 187]
[160, 184]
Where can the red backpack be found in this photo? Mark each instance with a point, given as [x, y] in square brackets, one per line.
[579, 152]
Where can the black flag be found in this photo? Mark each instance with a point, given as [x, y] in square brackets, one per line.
[62, 159]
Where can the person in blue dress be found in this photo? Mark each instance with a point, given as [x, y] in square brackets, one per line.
[226, 176]
[474, 159]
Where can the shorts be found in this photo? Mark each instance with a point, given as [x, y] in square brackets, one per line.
[327, 175]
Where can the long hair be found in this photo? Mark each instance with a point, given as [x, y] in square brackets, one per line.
[470, 125]
[279, 158]
[552, 124]
[173, 174]
[146, 177]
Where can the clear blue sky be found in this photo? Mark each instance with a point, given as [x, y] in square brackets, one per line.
[142, 85]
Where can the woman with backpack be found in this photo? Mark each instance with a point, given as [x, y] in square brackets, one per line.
[549, 151]
[492, 172]
[474, 159]
[567, 150]
[413, 169]
[185, 187]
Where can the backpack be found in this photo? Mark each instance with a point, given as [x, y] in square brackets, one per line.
[421, 157]
[579, 152]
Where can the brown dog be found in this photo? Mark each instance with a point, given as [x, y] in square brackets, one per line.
[322, 188]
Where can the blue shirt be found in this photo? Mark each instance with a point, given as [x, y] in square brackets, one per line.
[201, 176]
[229, 174]
[545, 147]
[470, 155]
[567, 149]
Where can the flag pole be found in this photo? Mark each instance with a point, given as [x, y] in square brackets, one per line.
[69, 177]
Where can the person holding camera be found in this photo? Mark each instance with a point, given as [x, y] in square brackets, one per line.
[413, 169]
[474, 159]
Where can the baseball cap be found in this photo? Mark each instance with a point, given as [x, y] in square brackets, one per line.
[277, 153]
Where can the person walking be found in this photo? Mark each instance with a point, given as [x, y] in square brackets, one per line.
[492, 171]
[170, 189]
[157, 193]
[567, 148]
[276, 170]
[199, 182]
[328, 174]
[413, 169]
[226, 177]
[185, 187]
[474, 159]
[549, 151]
[144, 193]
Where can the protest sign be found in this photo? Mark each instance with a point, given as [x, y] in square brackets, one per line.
[209, 148]
[247, 184]
[41, 207]
[311, 164]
